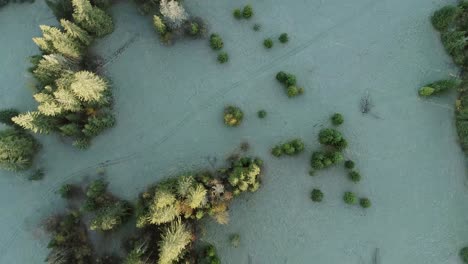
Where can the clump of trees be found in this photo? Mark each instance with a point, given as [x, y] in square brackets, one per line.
[290, 148]
[233, 116]
[71, 101]
[289, 82]
[324, 159]
[175, 205]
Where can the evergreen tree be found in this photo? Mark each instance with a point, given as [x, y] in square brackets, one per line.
[174, 240]
[51, 67]
[17, 150]
[88, 86]
[60, 42]
[47, 104]
[91, 18]
[6, 115]
[76, 32]
[35, 121]
[67, 100]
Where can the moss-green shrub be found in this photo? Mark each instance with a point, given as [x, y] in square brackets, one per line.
[216, 42]
[349, 198]
[247, 12]
[233, 116]
[443, 18]
[268, 43]
[354, 176]
[365, 203]
[261, 114]
[337, 119]
[237, 13]
[292, 147]
[316, 195]
[283, 38]
[333, 138]
[349, 164]
[223, 57]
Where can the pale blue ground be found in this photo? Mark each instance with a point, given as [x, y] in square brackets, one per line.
[169, 102]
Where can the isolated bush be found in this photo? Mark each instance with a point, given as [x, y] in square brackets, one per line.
[233, 115]
[354, 176]
[268, 43]
[216, 42]
[349, 198]
[223, 57]
[283, 38]
[247, 12]
[337, 119]
[316, 195]
[365, 202]
[237, 13]
[261, 114]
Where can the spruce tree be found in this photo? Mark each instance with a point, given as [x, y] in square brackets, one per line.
[61, 42]
[88, 86]
[51, 67]
[35, 121]
[76, 32]
[67, 100]
[47, 104]
[17, 150]
[91, 18]
[174, 239]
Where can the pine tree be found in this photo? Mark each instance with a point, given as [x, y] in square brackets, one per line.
[67, 100]
[76, 32]
[47, 104]
[17, 150]
[174, 240]
[88, 86]
[196, 196]
[35, 121]
[6, 115]
[61, 42]
[92, 19]
[51, 67]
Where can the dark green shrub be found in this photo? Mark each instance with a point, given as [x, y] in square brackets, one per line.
[65, 191]
[268, 43]
[287, 79]
[333, 138]
[283, 38]
[277, 151]
[322, 160]
[349, 198]
[316, 195]
[237, 13]
[223, 57]
[337, 119]
[365, 202]
[261, 114]
[349, 164]
[216, 42]
[6, 115]
[439, 87]
[444, 17]
[247, 12]
[354, 176]
[17, 150]
[292, 147]
[233, 116]
[464, 255]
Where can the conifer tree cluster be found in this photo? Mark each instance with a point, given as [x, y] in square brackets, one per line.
[72, 101]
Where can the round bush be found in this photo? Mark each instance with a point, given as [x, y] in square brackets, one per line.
[277, 151]
[223, 57]
[256, 27]
[261, 114]
[233, 116]
[349, 198]
[247, 12]
[316, 195]
[365, 202]
[464, 254]
[237, 13]
[216, 42]
[268, 43]
[349, 164]
[337, 119]
[354, 176]
[281, 76]
[283, 38]
[292, 91]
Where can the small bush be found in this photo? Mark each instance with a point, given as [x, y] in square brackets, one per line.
[354, 176]
[216, 42]
[268, 43]
[261, 114]
[233, 116]
[337, 119]
[316, 195]
[237, 13]
[234, 240]
[223, 57]
[247, 12]
[464, 255]
[444, 17]
[283, 38]
[349, 164]
[349, 198]
[256, 27]
[365, 202]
